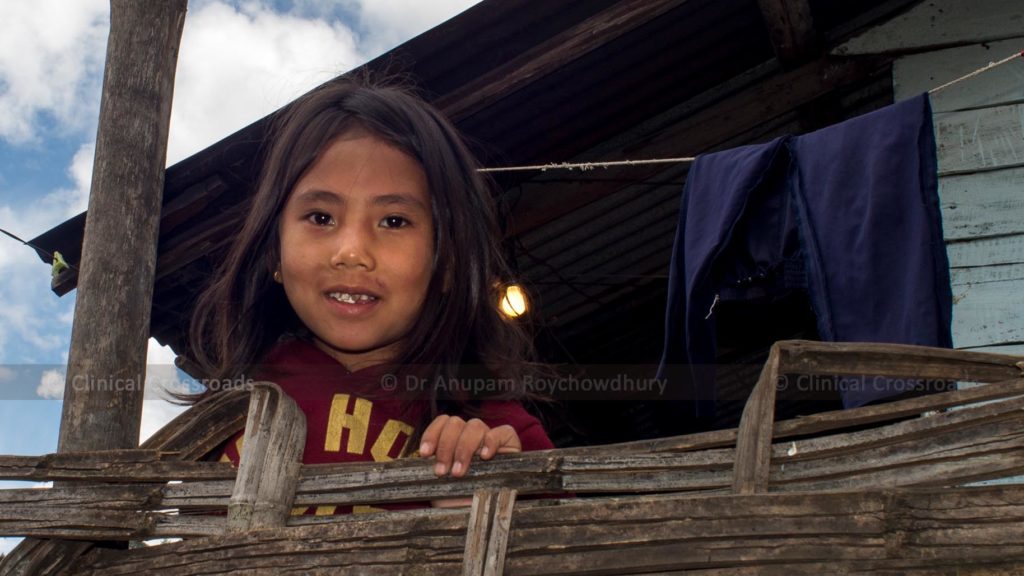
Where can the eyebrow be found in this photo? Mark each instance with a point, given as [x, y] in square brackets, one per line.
[314, 196]
[401, 199]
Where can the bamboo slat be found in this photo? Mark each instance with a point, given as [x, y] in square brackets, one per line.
[264, 489]
[895, 530]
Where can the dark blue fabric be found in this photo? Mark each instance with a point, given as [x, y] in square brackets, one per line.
[855, 202]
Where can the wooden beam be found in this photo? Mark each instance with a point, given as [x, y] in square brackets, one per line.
[551, 55]
[790, 28]
[107, 363]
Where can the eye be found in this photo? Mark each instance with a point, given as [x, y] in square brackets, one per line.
[394, 222]
[320, 218]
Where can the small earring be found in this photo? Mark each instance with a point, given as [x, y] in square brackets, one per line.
[277, 276]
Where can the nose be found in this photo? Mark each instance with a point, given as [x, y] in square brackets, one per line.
[354, 248]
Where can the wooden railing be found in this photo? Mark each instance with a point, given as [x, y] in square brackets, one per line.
[874, 488]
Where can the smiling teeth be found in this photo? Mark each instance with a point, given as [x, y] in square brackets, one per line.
[351, 298]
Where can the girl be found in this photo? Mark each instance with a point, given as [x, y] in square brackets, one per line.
[363, 282]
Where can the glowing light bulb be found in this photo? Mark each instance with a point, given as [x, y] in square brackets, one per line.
[513, 302]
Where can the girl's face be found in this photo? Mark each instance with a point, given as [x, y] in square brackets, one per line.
[357, 242]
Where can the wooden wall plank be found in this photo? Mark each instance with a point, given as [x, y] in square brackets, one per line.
[982, 204]
[916, 73]
[986, 251]
[988, 305]
[979, 127]
[1017, 349]
[980, 139]
[940, 23]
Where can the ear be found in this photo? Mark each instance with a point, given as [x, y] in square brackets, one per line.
[273, 265]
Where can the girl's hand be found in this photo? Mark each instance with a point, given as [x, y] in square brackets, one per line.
[453, 441]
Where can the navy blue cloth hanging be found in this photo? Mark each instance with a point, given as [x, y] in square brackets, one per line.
[850, 211]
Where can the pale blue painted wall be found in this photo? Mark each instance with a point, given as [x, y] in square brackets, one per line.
[979, 128]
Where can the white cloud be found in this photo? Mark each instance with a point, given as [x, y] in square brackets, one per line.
[8, 544]
[51, 56]
[388, 23]
[161, 377]
[239, 60]
[51, 385]
[155, 415]
[239, 64]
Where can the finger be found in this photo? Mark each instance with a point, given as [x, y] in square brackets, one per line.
[428, 442]
[499, 441]
[446, 441]
[469, 442]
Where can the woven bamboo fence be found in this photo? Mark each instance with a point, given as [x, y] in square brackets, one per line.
[880, 489]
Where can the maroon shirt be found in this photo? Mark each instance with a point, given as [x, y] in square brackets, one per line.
[357, 417]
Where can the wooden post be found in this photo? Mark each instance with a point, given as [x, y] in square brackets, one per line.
[107, 363]
[275, 437]
[754, 435]
[490, 521]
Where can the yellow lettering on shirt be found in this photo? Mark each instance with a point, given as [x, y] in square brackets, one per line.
[325, 510]
[357, 422]
[238, 449]
[360, 509]
[387, 439]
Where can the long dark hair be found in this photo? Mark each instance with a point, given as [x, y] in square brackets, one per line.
[243, 312]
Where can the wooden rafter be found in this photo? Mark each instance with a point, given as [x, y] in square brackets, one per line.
[790, 28]
[551, 55]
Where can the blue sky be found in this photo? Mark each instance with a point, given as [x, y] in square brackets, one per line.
[239, 60]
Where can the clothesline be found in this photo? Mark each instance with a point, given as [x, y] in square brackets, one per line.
[985, 68]
[585, 166]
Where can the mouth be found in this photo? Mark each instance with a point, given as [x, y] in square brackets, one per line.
[352, 296]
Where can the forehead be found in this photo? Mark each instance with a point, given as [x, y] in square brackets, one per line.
[362, 165]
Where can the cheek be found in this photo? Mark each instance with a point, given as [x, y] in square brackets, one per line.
[420, 281]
